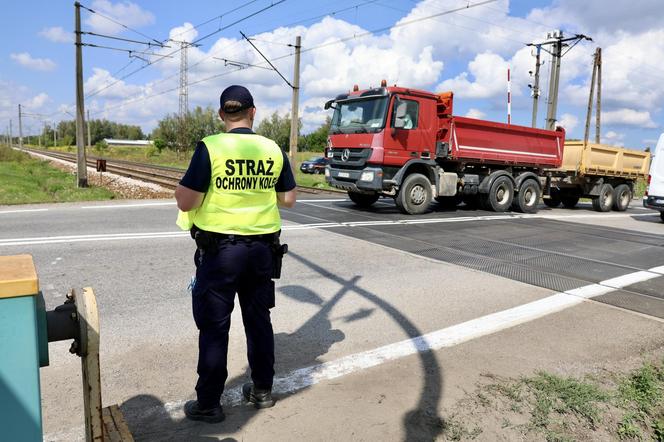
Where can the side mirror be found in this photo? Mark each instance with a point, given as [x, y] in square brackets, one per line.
[328, 105]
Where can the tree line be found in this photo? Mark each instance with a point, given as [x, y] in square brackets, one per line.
[199, 123]
[202, 122]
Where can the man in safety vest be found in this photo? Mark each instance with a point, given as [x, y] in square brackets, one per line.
[229, 199]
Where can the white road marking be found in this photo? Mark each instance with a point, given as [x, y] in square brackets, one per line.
[447, 337]
[22, 211]
[119, 206]
[331, 225]
[305, 201]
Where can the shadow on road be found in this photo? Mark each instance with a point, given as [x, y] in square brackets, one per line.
[150, 420]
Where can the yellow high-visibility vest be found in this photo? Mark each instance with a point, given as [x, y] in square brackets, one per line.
[241, 198]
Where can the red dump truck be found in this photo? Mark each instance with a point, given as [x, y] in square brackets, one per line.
[407, 144]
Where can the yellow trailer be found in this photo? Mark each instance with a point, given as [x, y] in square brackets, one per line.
[606, 174]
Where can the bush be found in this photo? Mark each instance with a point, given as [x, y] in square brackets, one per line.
[151, 152]
[101, 146]
[159, 144]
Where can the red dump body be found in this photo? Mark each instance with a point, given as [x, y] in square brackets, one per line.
[480, 141]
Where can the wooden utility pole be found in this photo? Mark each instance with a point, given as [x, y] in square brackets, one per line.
[11, 135]
[294, 129]
[87, 123]
[82, 170]
[591, 95]
[20, 128]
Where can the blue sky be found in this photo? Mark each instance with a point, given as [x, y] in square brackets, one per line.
[466, 51]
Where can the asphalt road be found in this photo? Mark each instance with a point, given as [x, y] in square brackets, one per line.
[382, 321]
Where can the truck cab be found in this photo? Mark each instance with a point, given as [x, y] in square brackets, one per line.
[374, 134]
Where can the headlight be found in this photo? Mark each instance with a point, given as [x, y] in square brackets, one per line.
[367, 176]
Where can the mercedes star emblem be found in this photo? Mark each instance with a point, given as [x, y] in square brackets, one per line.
[345, 154]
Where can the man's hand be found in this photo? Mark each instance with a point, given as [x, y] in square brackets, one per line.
[286, 199]
[188, 199]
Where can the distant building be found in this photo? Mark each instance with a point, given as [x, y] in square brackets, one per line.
[140, 143]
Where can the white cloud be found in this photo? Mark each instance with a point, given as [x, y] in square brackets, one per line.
[186, 32]
[488, 72]
[125, 12]
[37, 102]
[100, 81]
[475, 113]
[569, 122]
[628, 117]
[613, 138]
[57, 35]
[38, 64]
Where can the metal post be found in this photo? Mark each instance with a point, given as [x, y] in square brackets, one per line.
[598, 111]
[20, 128]
[536, 90]
[82, 170]
[295, 104]
[552, 102]
[509, 97]
[589, 110]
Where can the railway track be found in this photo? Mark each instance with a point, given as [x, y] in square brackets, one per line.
[165, 176]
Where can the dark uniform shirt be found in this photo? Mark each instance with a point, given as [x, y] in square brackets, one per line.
[199, 173]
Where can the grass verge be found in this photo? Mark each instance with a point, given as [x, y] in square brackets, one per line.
[545, 406]
[24, 180]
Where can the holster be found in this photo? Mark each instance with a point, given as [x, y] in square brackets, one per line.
[278, 252]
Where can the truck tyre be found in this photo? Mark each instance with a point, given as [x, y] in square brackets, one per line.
[500, 196]
[449, 202]
[661, 215]
[621, 197]
[527, 199]
[363, 199]
[570, 201]
[471, 201]
[414, 195]
[604, 201]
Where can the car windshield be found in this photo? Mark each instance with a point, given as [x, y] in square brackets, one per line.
[359, 116]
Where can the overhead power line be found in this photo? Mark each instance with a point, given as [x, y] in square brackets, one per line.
[96, 92]
[363, 34]
[120, 24]
[161, 45]
[130, 51]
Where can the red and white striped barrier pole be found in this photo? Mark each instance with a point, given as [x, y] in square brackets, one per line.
[509, 97]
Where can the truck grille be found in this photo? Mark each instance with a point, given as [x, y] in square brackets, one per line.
[355, 158]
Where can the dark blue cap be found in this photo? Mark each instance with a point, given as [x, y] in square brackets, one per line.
[236, 93]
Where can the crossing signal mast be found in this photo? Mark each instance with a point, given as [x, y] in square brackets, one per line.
[554, 44]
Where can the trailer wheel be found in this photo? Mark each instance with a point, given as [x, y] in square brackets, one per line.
[500, 196]
[570, 201]
[363, 199]
[621, 197]
[527, 199]
[604, 201]
[414, 195]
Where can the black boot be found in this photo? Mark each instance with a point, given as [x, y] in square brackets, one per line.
[211, 415]
[259, 397]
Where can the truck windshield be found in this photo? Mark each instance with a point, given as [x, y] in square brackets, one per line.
[359, 116]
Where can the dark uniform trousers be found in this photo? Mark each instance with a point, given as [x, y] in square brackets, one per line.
[243, 267]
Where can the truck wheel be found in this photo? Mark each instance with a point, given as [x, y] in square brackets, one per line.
[414, 195]
[449, 202]
[363, 199]
[570, 201]
[553, 200]
[661, 215]
[621, 197]
[527, 199]
[471, 201]
[604, 201]
[500, 196]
